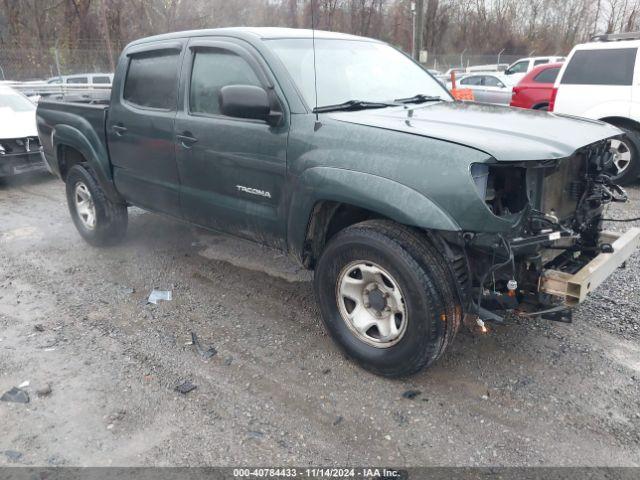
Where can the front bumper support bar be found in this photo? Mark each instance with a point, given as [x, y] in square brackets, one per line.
[573, 288]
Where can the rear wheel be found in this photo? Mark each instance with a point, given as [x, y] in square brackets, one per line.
[387, 297]
[626, 162]
[98, 220]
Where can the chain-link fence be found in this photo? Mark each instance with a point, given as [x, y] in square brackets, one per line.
[39, 64]
[443, 62]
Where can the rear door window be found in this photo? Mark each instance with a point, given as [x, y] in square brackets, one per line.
[547, 76]
[611, 66]
[78, 80]
[152, 80]
[540, 61]
[471, 81]
[490, 81]
[212, 70]
[101, 80]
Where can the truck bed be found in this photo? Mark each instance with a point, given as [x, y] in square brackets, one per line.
[89, 119]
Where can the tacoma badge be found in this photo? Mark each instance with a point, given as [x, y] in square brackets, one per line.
[253, 191]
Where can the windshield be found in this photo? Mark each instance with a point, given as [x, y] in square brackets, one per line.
[353, 70]
[15, 102]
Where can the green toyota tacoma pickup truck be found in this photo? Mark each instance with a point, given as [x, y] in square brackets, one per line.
[414, 210]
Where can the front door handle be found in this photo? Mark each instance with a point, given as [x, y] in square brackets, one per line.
[186, 139]
[119, 130]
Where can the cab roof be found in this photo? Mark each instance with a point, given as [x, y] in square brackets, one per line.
[256, 33]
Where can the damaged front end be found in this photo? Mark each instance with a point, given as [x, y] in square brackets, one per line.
[21, 155]
[556, 251]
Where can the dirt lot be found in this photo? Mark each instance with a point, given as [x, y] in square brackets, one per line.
[278, 391]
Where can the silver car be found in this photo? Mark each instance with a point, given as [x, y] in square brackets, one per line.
[488, 88]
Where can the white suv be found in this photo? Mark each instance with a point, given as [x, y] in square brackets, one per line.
[601, 80]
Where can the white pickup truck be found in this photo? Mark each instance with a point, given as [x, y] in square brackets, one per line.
[518, 69]
[601, 80]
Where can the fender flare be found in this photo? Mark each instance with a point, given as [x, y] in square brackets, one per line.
[93, 151]
[386, 197]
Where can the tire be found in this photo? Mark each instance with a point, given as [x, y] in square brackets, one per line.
[544, 107]
[99, 221]
[410, 267]
[627, 146]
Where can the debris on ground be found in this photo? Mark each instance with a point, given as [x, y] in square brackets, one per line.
[228, 360]
[56, 460]
[326, 371]
[44, 391]
[24, 384]
[38, 327]
[156, 295]
[411, 394]
[185, 387]
[12, 455]
[204, 352]
[338, 420]
[15, 395]
[116, 416]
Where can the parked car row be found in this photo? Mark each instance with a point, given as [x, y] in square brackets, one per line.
[598, 80]
[82, 87]
[98, 80]
[508, 74]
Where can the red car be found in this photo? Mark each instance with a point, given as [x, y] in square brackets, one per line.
[534, 90]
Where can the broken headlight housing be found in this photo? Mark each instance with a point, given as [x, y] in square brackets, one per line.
[501, 187]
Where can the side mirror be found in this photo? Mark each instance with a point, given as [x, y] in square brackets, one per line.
[244, 101]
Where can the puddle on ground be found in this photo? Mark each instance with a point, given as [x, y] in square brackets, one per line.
[18, 233]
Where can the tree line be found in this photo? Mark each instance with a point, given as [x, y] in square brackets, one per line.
[450, 26]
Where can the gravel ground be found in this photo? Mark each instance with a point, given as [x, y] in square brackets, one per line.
[75, 319]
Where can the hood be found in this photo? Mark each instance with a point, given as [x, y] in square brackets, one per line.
[507, 134]
[17, 124]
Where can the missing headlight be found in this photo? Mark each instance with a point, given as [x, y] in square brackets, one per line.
[503, 188]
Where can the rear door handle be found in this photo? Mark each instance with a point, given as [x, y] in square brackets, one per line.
[119, 129]
[186, 140]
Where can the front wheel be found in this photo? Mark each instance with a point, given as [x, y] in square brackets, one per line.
[387, 297]
[98, 220]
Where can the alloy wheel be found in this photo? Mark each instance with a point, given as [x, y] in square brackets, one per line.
[84, 206]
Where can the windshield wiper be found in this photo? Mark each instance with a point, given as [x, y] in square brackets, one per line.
[419, 98]
[351, 105]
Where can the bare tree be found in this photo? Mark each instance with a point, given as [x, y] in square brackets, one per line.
[88, 33]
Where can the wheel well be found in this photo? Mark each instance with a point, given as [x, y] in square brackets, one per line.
[67, 158]
[327, 219]
[622, 122]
